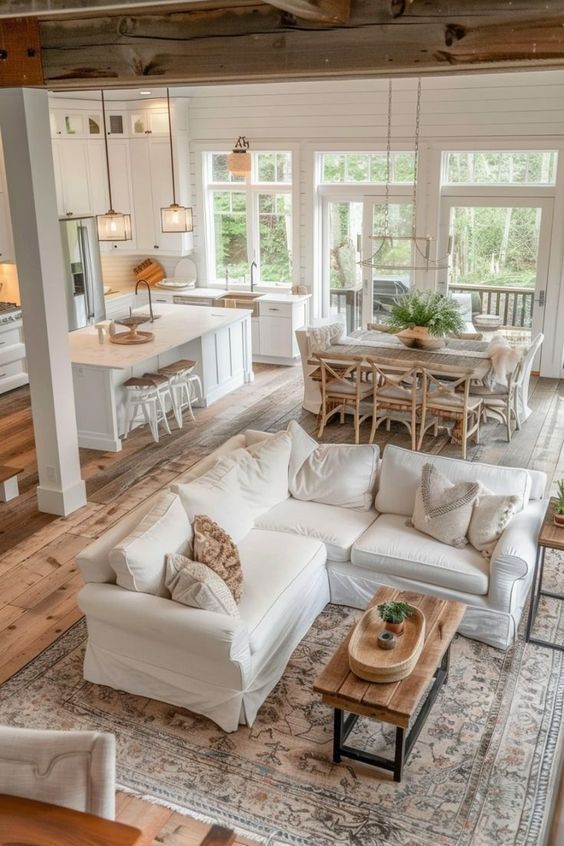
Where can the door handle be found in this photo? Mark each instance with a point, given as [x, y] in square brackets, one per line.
[540, 298]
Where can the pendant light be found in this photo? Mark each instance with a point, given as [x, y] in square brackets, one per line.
[112, 226]
[239, 161]
[174, 218]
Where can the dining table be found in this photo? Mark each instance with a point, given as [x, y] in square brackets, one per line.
[457, 356]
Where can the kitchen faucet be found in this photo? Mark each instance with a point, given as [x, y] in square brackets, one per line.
[144, 281]
[254, 266]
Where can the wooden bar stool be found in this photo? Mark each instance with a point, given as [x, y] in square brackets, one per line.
[181, 379]
[145, 397]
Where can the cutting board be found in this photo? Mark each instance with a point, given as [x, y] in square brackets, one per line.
[149, 270]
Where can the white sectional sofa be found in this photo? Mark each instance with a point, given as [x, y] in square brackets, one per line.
[299, 556]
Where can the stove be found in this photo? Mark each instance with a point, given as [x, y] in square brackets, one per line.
[9, 312]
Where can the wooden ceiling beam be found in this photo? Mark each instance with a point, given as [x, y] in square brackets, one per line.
[323, 11]
[249, 40]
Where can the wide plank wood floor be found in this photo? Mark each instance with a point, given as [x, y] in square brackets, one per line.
[38, 577]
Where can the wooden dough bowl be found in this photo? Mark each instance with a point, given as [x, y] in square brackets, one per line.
[371, 663]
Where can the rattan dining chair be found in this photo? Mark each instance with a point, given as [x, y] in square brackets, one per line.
[446, 397]
[397, 395]
[343, 388]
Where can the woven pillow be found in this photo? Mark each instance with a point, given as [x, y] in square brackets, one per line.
[193, 583]
[216, 549]
[443, 510]
[490, 516]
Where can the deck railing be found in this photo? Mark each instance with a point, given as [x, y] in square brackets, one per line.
[513, 305]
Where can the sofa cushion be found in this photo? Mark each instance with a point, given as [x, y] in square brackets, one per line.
[275, 569]
[332, 474]
[400, 472]
[139, 559]
[193, 583]
[336, 527]
[490, 517]
[218, 495]
[201, 467]
[391, 545]
[443, 510]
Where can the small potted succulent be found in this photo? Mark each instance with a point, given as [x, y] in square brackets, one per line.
[558, 507]
[394, 615]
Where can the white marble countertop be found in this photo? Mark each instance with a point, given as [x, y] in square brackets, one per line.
[177, 325]
[215, 293]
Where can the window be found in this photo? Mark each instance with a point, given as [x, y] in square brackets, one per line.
[251, 219]
[355, 168]
[501, 167]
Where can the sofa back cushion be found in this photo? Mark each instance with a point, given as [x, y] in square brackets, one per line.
[205, 464]
[332, 474]
[240, 486]
[400, 476]
[139, 560]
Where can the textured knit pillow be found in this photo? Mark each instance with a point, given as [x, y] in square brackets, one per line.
[215, 548]
[490, 516]
[443, 510]
[193, 583]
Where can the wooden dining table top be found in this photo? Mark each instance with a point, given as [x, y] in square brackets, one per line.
[457, 356]
[25, 822]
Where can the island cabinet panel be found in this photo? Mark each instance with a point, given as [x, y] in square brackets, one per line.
[218, 340]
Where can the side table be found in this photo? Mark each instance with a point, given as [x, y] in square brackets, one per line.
[550, 537]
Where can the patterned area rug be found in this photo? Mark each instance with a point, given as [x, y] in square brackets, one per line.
[482, 772]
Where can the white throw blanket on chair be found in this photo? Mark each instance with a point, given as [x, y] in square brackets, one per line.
[321, 337]
[504, 358]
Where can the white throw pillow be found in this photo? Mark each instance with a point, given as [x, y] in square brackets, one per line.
[332, 474]
[241, 486]
[491, 515]
[139, 560]
[218, 494]
[193, 583]
[443, 510]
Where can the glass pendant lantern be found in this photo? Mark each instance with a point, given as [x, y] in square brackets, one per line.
[239, 161]
[112, 226]
[175, 218]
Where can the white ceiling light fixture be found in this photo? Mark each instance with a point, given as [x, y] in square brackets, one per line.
[175, 218]
[239, 161]
[112, 226]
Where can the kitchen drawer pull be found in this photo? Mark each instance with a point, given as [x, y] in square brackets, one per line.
[270, 308]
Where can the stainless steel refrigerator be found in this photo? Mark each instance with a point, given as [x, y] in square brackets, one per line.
[84, 286]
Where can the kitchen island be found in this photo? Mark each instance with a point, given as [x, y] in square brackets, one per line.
[219, 340]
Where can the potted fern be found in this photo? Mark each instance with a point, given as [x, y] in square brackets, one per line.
[423, 318]
[394, 615]
[558, 506]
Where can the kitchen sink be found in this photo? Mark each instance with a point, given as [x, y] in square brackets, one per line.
[240, 299]
[240, 295]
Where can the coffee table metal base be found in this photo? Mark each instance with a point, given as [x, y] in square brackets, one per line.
[405, 740]
[536, 593]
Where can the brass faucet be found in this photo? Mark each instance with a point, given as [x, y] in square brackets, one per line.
[144, 281]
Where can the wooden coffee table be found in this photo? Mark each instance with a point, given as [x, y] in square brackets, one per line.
[395, 702]
[550, 537]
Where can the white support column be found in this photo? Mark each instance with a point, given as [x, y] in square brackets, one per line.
[26, 138]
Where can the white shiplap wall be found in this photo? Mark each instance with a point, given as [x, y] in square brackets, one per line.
[524, 108]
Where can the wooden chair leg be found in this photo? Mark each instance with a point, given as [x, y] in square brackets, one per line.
[356, 424]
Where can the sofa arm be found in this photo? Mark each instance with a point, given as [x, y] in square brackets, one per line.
[205, 637]
[514, 556]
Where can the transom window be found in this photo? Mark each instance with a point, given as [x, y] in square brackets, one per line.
[368, 168]
[500, 167]
[250, 219]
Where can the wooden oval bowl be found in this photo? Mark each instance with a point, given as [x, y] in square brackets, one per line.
[369, 662]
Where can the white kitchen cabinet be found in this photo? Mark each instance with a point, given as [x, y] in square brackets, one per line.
[255, 335]
[278, 321]
[77, 123]
[72, 181]
[7, 252]
[122, 193]
[13, 364]
[150, 121]
[152, 190]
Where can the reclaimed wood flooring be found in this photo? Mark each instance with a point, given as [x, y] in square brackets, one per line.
[38, 576]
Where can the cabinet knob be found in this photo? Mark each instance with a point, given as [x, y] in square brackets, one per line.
[68, 214]
[155, 246]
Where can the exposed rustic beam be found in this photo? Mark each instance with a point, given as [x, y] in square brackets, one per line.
[249, 41]
[323, 11]
[20, 53]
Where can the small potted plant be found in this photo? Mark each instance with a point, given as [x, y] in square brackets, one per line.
[422, 318]
[394, 615]
[558, 508]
